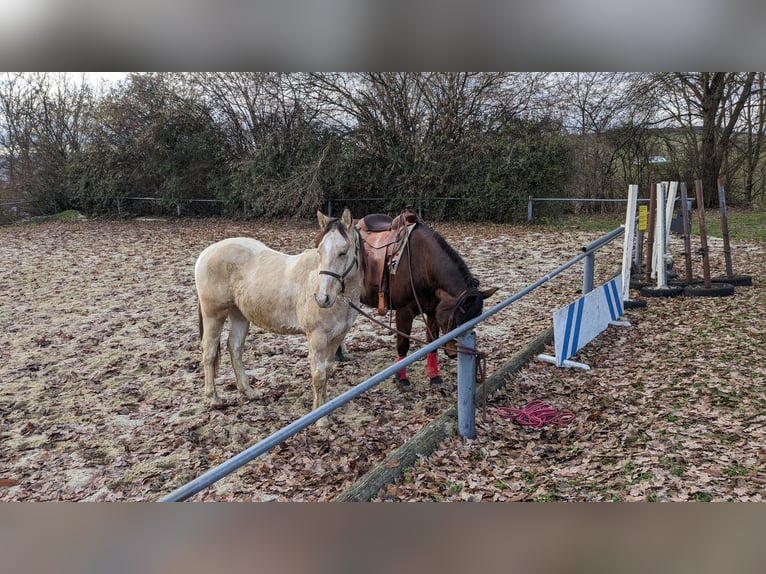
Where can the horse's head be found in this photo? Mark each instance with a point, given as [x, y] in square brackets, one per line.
[339, 249]
[452, 311]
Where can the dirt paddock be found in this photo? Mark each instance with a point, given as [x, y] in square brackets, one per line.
[101, 391]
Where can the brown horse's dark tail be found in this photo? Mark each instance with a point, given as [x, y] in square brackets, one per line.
[217, 359]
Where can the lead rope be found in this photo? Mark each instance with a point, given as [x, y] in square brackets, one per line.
[536, 414]
[481, 363]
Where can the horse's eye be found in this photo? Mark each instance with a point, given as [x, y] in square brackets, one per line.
[343, 253]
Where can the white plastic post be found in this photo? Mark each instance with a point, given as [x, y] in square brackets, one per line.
[659, 237]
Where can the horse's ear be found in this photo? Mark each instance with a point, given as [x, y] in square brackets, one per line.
[346, 218]
[322, 218]
[488, 292]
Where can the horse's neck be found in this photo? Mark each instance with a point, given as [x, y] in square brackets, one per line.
[443, 268]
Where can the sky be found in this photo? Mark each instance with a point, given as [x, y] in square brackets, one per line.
[96, 77]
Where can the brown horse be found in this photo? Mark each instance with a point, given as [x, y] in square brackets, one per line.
[244, 280]
[430, 278]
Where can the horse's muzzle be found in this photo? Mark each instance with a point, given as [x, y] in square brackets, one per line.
[324, 300]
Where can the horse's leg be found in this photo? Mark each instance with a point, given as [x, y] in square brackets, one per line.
[212, 325]
[321, 355]
[432, 361]
[238, 328]
[403, 325]
[341, 354]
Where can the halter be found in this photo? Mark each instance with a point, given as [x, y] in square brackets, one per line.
[461, 298]
[355, 263]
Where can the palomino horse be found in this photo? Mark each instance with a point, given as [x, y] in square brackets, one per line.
[430, 278]
[247, 282]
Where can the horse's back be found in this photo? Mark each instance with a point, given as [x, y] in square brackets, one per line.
[218, 259]
[269, 287]
[231, 248]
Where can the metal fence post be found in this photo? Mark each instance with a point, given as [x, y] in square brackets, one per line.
[589, 264]
[529, 209]
[466, 383]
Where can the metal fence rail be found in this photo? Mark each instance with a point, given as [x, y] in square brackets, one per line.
[178, 204]
[466, 407]
[331, 204]
[532, 199]
[418, 207]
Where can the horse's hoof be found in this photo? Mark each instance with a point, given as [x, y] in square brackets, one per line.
[250, 394]
[437, 380]
[341, 357]
[404, 384]
[216, 402]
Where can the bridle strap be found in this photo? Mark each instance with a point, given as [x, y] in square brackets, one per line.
[460, 301]
[342, 277]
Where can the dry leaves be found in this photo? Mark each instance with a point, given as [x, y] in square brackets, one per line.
[102, 396]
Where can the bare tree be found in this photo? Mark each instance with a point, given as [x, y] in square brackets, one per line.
[750, 142]
[252, 106]
[16, 113]
[608, 123]
[44, 117]
[416, 123]
[706, 107]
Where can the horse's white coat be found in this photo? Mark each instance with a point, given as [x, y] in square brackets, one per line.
[243, 279]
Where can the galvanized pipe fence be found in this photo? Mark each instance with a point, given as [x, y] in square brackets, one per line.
[330, 203]
[466, 375]
[532, 199]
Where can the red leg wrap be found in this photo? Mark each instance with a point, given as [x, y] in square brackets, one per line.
[402, 372]
[432, 365]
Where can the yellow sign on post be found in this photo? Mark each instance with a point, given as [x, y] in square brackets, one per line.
[643, 217]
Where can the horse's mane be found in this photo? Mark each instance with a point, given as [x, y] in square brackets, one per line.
[334, 223]
[470, 280]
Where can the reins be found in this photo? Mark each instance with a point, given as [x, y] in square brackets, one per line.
[481, 364]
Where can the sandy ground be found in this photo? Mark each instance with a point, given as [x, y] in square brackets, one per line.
[101, 391]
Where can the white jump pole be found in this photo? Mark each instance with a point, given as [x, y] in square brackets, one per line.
[627, 246]
[671, 200]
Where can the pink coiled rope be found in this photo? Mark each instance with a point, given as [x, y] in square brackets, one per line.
[536, 414]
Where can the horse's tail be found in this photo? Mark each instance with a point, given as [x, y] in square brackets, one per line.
[217, 359]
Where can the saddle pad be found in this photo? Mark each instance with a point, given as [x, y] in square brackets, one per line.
[399, 248]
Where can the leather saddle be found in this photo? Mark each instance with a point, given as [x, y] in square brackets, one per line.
[384, 238]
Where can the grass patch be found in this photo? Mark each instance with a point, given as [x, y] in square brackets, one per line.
[736, 469]
[673, 465]
[68, 215]
[551, 496]
[701, 496]
[451, 486]
[743, 223]
[747, 224]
